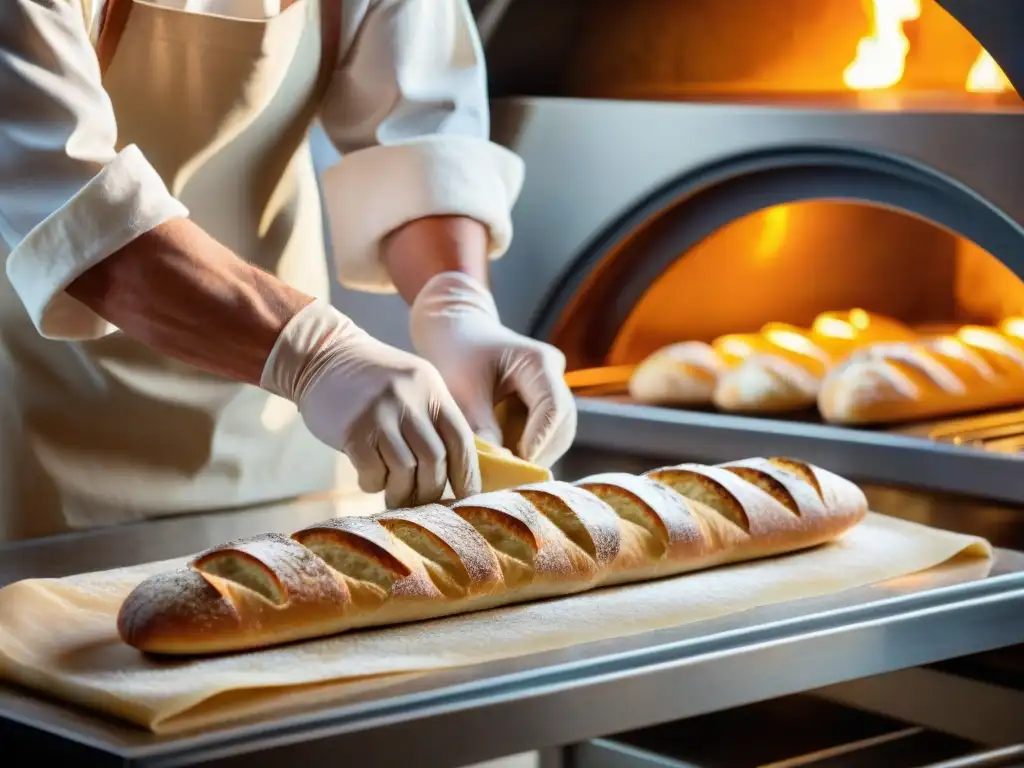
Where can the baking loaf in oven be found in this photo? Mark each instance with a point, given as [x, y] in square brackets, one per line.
[779, 368]
[683, 374]
[972, 369]
[534, 541]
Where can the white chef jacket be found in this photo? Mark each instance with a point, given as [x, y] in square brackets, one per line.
[68, 199]
[100, 430]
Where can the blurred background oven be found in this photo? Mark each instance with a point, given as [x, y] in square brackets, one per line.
[699, 168]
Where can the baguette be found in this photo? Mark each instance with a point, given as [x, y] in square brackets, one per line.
[683, 374]
[779, 368]
[973, 369]
[535, 541]
[787, 374]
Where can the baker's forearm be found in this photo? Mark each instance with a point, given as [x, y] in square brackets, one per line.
[426, 247]
[181, 292]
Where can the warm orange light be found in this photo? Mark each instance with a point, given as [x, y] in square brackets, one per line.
[598, 377]
[951, 346]
[882, 54]
[735, 347]
[987, 76]
[860, 319]
[793, 339]
[833, 327]
[773, 231]
[841, 325]
[1013, 326]
[980, 337]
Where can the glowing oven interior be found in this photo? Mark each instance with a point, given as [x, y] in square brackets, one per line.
[792, 262]
[788, 263]
[665, 48]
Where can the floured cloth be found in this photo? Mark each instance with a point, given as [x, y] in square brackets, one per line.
[59, 635]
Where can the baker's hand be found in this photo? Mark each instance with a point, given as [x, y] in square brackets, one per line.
[455, 325]
[387, 410]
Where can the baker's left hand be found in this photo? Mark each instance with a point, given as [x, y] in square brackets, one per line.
[455, 325]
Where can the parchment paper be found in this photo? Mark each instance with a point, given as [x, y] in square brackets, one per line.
[59, 635]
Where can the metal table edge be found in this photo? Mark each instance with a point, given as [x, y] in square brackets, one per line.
[656, 659]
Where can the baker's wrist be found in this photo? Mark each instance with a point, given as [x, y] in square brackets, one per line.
[450, 305]
[418, 251]
[450, 293]
[301, 347]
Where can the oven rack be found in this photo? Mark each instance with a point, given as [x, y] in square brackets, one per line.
[947, 456]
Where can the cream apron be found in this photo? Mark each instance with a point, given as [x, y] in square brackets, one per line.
[108, 431]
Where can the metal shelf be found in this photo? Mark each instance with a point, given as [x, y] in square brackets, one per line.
[867, 456]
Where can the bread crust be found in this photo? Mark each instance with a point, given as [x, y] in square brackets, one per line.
[778, 369]
[683, 374]
[973, 369]
[536, 541]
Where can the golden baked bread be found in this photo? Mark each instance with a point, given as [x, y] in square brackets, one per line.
[785, 373]
[534, 541]
[973, 369]
[778, 368]
[683, 374]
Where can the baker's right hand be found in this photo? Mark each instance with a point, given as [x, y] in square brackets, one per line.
[387, 410]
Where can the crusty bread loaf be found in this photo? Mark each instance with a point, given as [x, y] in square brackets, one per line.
[974, 369]
[683, 374]
[534, 541]
[781, 374]
[786, 374]
[779, 368]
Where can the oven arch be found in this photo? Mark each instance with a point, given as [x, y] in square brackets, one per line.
[999, 26]
[682, 213]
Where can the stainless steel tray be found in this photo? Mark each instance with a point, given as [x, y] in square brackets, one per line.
[482, 712]
[908, 458]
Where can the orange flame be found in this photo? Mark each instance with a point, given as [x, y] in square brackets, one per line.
[987, 76]
[882, 54]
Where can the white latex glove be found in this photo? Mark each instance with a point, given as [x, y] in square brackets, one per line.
[454, 324]
[387, 410]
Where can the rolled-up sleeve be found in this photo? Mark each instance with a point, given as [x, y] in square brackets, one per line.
[408, 110]
[68, 199]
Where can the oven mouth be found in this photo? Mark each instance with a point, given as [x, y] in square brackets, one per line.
[682, 213]
[937, 102]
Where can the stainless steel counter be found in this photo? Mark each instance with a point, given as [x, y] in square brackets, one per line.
[461, 716]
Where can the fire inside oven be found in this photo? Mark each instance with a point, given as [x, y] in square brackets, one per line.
[662, 49]
[797, 278]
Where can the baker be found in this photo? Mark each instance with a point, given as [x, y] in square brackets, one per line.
[166, 340]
